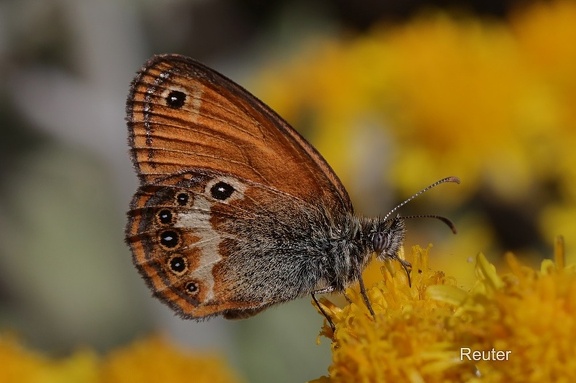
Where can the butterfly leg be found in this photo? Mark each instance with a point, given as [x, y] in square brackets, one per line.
[324, 291]
[330, 289]
[407, 268]
[365, 296]
[363, 290]
[348, 299]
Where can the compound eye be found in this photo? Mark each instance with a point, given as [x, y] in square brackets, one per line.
[379, 242]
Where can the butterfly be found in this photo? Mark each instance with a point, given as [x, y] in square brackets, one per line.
[236, 211]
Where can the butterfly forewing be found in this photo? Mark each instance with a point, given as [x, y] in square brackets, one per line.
[183, 115]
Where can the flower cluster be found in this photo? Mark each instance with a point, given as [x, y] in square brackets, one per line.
[518, 326]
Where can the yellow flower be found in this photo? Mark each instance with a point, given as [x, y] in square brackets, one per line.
[524, 321]
[150, 360]
[157, 360]
[25, 366]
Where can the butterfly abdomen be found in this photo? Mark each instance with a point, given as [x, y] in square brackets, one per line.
[281, 256]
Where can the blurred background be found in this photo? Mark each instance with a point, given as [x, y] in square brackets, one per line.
[395, 95]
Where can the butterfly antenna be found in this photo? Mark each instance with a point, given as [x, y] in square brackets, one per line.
[447, 221]
[443, 180]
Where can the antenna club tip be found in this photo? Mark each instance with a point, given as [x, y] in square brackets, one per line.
[454, 179]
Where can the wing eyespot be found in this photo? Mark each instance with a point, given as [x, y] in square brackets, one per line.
[183, 199]
[165, 217]
[221, 191]
[176, 99]
[169, 239]
[191, 288]
[178, 265]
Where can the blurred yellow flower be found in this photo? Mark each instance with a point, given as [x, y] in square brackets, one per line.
[514, 327]
[489, 101]
[157, 360]
[25, 366]
[149, 360]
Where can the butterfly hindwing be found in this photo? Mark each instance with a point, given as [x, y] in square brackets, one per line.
[209, 243]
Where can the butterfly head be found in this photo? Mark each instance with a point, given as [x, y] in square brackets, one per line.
[387, 237]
